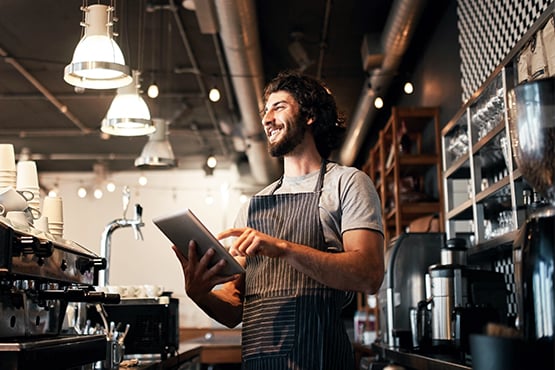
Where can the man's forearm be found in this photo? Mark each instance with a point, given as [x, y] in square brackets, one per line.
[217, 305]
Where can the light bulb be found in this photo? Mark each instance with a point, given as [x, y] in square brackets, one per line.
[143, 180]
[214, 95]
[408, 88]
[53, 193]
[98, 193]
[153, 91]
[111, 187]
[243, 198]
[211, 162]
[81, 192]
[378, 103]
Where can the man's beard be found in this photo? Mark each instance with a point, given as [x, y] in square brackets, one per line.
[293, 137]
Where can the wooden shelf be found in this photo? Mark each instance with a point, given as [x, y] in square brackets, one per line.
[390, 165]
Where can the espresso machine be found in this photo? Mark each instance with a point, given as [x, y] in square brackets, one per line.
[531, 111]
[407, 258]
[39, 274]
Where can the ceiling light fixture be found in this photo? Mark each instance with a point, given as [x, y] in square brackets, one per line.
[110, 186]
[408, 88]
[128, 114]
[81, 192]
[378, 102]
[98, 62]
[214, 94]
[98, 194]
[153, 90]
[210, 165]
[142, 180]
[157, 152]
[211, 161]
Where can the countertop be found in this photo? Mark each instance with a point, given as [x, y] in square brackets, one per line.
[215, 349]
[422, 361]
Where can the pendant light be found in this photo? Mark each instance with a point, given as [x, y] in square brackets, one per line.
[128, 114]
[98, 62]
[157, 152]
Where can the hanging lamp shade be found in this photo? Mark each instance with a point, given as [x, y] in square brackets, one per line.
[157, 152]
[128, 114]
[98, 62]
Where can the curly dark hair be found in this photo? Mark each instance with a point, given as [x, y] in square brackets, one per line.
[315, 101]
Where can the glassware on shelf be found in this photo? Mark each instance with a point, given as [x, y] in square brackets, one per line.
[458, 143]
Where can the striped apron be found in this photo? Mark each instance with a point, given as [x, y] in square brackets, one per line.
[291, 321]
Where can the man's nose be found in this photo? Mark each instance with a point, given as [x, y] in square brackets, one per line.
[267, 118]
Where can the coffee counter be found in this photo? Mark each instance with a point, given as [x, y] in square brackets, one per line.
[218, 349]
[415, 360]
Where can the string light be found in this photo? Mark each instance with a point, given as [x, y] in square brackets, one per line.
[214, 95]
[81, 192]
[153, 91]
[243, 198]
[408, 88]
[378, 103]
[211, 161]
[111, 187]
[143, 180]
[98, 193]
[53, 192]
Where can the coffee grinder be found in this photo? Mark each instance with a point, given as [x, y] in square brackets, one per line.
[531, 111]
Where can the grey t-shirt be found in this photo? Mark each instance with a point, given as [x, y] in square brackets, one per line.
[348, 201]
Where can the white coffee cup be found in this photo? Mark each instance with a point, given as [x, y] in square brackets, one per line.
[153, 291]
[42, 224]
[14, 200]
[27, 177]
[7, 157]
[53, 209]
[18, 217]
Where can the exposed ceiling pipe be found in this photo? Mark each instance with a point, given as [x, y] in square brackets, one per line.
[239, 34]
[324, 39]
[194, 63]
[400, 27]
[40, 87]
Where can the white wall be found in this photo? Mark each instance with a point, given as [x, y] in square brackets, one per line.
[150, 261]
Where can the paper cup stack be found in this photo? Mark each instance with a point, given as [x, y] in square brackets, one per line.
[7, 166]
[28, 181]
[52, 209]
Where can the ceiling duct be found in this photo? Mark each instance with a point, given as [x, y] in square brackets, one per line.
[240, 41]
[401, 24]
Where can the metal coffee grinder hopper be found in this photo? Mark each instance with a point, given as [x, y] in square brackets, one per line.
[531, 111]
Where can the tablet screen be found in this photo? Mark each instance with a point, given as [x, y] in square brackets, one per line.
[182, 226]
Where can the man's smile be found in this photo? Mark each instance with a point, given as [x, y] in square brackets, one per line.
[272, 133]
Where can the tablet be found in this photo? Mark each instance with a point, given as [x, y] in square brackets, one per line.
[182, 226]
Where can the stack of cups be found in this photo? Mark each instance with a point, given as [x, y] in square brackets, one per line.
[7, 166]
[28, 181]
[52, 210]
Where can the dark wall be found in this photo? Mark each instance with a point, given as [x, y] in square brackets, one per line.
[432, 62]
[437, 75]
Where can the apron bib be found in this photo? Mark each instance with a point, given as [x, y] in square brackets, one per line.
[291, 321]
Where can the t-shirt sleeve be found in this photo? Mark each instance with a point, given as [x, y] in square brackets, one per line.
[360, 203]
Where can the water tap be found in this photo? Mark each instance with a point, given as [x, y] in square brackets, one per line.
[105, 245]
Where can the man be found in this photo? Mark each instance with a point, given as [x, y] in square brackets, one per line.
[305, 241]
